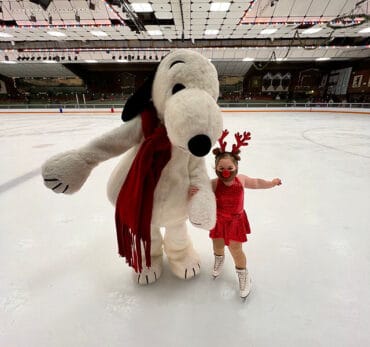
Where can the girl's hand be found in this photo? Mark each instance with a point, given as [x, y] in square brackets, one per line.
[276, 182]
[192, 191]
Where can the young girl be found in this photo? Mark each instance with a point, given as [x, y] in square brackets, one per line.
[232, 224]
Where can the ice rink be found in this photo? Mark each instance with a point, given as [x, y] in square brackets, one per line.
[63, 284]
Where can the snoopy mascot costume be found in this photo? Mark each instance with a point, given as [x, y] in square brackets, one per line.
[169, 125]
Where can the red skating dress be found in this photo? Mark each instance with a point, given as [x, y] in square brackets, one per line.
[232, 222]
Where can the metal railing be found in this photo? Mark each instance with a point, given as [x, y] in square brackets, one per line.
[118, 106]
[294, 105]
[60, 106]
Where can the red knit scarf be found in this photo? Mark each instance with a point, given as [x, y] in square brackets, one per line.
[135, 200]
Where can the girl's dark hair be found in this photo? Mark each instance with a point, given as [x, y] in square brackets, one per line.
[220, 155]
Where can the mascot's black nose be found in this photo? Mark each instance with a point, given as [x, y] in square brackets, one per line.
[199, 145]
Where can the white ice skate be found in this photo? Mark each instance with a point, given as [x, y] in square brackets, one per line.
[244, 282]
[218, 265]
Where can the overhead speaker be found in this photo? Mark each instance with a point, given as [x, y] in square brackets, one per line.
[91, 6]
[43, 3]
[114, 2]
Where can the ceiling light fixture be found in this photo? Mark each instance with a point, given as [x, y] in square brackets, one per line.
[364, 31]
[98, 33]
[91, 61]
[268, 31]
[56, 34]
[5, 35]
[248, 59]
[211, 32]
[311, 31]
[323, 59]
[219, 6]
[154, 32]
[141, 7]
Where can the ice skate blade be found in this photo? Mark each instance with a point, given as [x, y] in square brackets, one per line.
[244, 298]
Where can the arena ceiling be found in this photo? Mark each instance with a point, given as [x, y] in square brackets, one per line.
[233, 34]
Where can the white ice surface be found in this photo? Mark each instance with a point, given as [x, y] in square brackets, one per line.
[63, 284]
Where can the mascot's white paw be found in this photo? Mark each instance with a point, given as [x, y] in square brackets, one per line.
[185, 268]
[150, 275]
[66, 172]
[202, 210]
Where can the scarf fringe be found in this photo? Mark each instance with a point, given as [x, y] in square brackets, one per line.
[130, 247]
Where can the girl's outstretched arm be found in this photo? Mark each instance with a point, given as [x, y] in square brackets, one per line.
[258, 183]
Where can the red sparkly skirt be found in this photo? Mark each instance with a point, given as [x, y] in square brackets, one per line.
[231, 228]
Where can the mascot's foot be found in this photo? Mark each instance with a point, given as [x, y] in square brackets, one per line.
[185, 268]
[150, 275]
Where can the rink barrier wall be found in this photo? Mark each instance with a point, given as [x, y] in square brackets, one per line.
[119, 105]
[225, 108]
[297, 109]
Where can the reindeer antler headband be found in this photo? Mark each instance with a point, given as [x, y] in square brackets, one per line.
[241, 140]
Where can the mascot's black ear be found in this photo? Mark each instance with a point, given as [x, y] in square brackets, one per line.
[140, 100]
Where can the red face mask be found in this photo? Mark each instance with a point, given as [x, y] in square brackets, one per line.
[227, 175]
